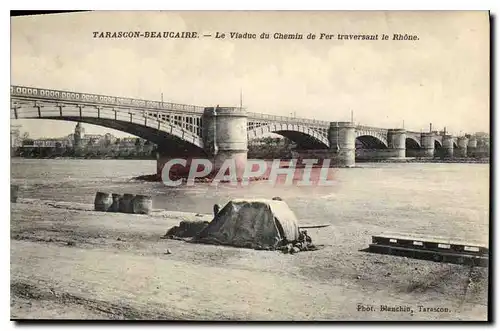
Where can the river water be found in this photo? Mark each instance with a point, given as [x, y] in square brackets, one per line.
[440, 199]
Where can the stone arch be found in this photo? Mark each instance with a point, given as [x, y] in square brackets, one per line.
[303, 136]
[412, 143]
[379, 135]
[370, 142]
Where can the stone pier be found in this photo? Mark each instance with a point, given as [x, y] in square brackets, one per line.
[471, 146]
[225, 136]
[462, 146]
[342, 138]
[396, 139]
[447, 142]
[427, 142]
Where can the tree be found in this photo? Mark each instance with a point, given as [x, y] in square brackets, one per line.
[482, 135]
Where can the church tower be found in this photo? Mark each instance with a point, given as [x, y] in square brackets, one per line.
[79, 134]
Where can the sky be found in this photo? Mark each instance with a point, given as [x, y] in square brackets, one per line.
[443, 77]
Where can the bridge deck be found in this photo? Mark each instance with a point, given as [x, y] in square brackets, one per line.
[34, 93]
[27, 93]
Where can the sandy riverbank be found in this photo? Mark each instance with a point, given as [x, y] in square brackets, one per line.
[68, 261]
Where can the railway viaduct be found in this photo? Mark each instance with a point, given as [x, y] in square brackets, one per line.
[223, 132]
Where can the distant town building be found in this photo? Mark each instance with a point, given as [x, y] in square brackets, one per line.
[128, 142]
[84, 142]
[109, 139]
[48, 143]
[15, 136]
[79, 135]
[82, 139]
[92, 139]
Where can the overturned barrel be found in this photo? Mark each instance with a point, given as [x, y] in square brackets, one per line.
[14, 193]
[102, 201]
[126, 204]
[142, 204]
[115, 206]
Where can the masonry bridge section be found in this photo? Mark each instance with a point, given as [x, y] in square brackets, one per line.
[222, 133]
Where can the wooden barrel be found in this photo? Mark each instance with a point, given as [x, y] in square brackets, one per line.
[142, 204]
[14, 192]
[102, 201]
[115, 206]
[125, 205]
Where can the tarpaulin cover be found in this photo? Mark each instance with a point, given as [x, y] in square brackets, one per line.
[252, 223]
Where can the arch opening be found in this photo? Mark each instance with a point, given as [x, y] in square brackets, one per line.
[412, 143]
[369, 148]
[285, 145]
[303, 138]
[412, 147]
[164, 140]
[369, 142]
[302, 141]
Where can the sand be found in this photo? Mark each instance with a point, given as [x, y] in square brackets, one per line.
[69, 262]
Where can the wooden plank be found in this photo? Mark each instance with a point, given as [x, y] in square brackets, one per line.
[444, 257]
[313, 226]
[433, 238]
[442, 245]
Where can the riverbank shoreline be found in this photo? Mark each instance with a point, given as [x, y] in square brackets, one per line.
[406, 160]
[68, 261]
[83, 158]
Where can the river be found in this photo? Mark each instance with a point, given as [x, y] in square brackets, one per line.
[441, 199]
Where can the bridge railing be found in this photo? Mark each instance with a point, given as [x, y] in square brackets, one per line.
[368, 128]
[179, 106]
[33, 93]
[286, 119]
[372, 128]
[98, 99]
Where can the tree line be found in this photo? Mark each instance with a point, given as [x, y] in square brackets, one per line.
[105, 150]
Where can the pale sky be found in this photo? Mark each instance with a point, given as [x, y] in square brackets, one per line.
[442, 78]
